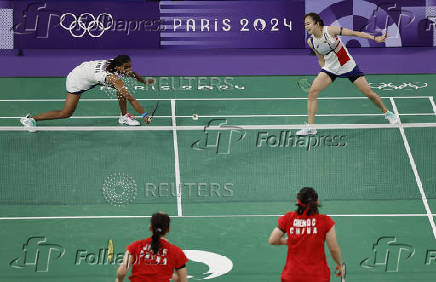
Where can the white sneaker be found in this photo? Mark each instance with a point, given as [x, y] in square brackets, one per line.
[307, 130]
[29, 123]
[128, 119]
[392, 118]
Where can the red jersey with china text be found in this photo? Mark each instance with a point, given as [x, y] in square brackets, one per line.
[150, 267]
[306, 260]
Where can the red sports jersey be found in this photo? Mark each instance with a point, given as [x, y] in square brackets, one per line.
[149, 267]
[306, 260]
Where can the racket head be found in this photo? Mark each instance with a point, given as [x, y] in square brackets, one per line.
[344, 272]
[304, 84]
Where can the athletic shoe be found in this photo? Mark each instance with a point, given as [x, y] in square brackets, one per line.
[29, 123]
[307, 130]
[392, 118]
[128, 119]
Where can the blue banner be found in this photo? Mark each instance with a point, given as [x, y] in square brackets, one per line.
[137, 24]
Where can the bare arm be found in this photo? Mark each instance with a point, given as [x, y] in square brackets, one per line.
[124, 267]
[321, 60]
[336, 30]
[140, 79]
[118, 84]
[335, 251]
[276, 237]
[181, 275]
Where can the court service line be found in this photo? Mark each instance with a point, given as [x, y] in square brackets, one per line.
[216, 99]
[203, 128]
[415, 170]
[433, 105]
[176, 158]
[5, 218]
[241, 116]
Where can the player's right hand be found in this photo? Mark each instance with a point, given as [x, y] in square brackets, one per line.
[381, 38]
[147, 120]
[338, 270]
[151, 81]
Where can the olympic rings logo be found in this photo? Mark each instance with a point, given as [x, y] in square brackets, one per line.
[392, 86]
[86, 23]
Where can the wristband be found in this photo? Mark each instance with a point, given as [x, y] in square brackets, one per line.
[373, 37]
[144, 115]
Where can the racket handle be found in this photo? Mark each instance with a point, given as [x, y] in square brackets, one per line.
[344, 273]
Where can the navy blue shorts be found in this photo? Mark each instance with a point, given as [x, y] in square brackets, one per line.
[352, 75]
[77, 93]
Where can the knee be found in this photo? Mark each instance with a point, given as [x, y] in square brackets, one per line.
[313, 94]
[370, 94]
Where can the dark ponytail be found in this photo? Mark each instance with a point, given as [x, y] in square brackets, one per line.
[316, 18]
[307, 198]
[116, 62]
[160, 225]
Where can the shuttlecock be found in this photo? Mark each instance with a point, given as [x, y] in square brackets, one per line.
[195, 117]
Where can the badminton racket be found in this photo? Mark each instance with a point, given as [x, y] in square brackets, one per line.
[304, 84]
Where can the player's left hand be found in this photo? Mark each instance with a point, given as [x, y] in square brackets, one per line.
[147, 120]
[151, 81]
[380, 39]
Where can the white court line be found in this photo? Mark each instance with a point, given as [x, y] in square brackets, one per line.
[432, 104]
[94, 117]
[195, 216]
[415, 171]
[217, 99]
[202, 128]
[241, 116]
[176, 158]
[418, 114]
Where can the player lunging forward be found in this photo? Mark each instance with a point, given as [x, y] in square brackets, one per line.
[88, 75]
[336, 61]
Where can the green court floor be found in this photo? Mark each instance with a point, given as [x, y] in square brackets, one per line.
[224, 178]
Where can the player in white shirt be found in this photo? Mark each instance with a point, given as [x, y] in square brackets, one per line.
[336, 61]
[88, 75]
